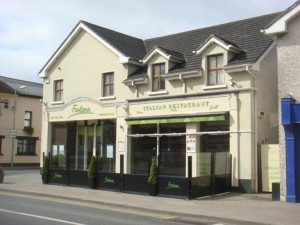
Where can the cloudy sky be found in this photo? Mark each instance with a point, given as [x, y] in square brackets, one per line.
[31, 30]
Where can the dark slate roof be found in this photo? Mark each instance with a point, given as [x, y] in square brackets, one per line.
[8, 85]
[243, 33]
[129, 46]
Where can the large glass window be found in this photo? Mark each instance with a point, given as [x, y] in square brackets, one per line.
[105, 145]
[143, 148]
[215, 72]
[26, 146]
[170, 149]
[215, 142]
[158, 82]
[58, 145]
[101, 137]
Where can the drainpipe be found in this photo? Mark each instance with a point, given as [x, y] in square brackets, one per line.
[183, 83]
[255, 78]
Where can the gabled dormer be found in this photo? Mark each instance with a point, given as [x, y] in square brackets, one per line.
[215, 53]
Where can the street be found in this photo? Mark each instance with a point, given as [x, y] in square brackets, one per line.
[23, 210]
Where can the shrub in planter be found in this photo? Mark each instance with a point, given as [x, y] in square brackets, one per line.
[1, 175]
[28, 130]
[45, 170]
[92, 173]
[152, 179]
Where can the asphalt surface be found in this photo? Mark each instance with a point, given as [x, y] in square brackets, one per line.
[231, 208]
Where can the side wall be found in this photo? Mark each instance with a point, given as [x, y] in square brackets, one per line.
[288, 49]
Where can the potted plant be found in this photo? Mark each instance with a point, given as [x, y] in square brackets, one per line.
[152, 179]
[92, 173]
[28, 129]
[45, 170]
[1, 175]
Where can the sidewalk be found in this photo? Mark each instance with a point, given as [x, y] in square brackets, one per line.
[244, 207]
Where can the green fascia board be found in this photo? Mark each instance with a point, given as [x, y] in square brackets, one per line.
[176, 120]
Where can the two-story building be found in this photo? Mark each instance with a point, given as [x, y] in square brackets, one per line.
[199, 102]
[20, 122]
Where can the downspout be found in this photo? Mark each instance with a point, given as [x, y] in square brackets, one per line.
[255, 78]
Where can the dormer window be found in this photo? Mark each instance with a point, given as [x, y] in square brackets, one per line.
[158, 82]
[215, 72]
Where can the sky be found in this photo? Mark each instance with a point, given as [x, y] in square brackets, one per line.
[32, 30]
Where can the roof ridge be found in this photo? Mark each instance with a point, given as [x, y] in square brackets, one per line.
[213, 26]
[108, 29]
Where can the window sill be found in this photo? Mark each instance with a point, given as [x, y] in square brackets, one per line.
[214, 87]
[26, 154]
[57, 103]
[107, 98]
[158, 93]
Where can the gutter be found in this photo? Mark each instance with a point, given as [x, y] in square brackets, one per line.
[255, 78]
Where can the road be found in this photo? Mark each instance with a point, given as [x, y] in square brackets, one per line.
[33, 210]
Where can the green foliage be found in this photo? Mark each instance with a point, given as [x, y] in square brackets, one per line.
[58, 160]
[45, 165]
[28, 129]
[92, 167]
[152, 179]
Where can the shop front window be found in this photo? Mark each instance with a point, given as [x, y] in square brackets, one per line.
[215, 143]
[99, 137]
[143, 148]
[58, 145]
[170, 150]
[105, 146]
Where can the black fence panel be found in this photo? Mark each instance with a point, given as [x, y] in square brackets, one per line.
[78, 178]
[109, 181]
[201, 186]
[58, 176]
[173, 186]
[135, 183]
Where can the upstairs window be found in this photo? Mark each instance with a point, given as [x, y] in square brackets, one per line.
[108, 84]
[4, 104]
[158, 82]
[27, 119]
[215, 72]
[58, 90]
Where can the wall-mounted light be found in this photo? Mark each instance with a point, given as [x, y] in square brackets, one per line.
[232, 82]
[44, 103]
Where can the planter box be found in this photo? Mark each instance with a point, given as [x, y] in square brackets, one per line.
[152, 188]
[45, 178]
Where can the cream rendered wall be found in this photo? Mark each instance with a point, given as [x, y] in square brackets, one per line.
[81, 66]
[267, 99]
[6, 122]
[288, 51]
[84, 62]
